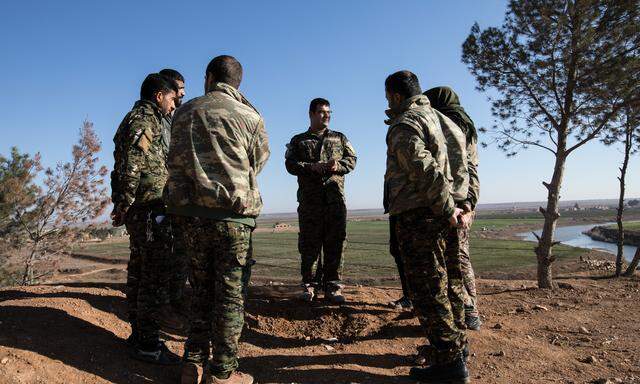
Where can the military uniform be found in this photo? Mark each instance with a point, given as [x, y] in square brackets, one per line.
[179, 265]
[137, 181]
[219, 145]
[445, 100]
[418, 195]
[322, 213]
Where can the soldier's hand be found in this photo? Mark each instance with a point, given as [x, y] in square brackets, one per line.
[318, 167]
[332, 165]
[454, 220]
[467, 219]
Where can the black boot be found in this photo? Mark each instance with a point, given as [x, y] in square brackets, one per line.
[155, 353]
[454, 372]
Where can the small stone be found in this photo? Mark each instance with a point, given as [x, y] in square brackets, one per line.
[540, 308]
[497, 326]
[4, 360]
[602, 381]
[307, 338]
[584, 331]
[498, 354]
[328, 347]
[529, 337]
[589, 360]
[585, 339]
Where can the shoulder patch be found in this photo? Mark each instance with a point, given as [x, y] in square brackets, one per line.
[145, 140]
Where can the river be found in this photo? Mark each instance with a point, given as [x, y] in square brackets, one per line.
[572, 235]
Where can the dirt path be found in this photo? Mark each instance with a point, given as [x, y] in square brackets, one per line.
[74, 333]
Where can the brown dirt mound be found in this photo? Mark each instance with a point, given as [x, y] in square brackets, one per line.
[74, 333]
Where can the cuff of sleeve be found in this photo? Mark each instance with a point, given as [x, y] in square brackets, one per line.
[449, 207]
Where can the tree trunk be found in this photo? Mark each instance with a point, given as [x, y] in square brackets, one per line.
[27, 275]
[623, 173]
[634, 264]
[551, 214]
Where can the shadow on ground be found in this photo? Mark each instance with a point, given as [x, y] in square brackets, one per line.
[78, 343]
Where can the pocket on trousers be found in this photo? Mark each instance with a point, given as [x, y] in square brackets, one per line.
[239, 236]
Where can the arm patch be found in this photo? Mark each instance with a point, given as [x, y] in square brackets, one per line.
[145, 140]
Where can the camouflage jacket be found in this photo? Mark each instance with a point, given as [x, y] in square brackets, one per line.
[417, 163]
[139, 173]
[445, 100]
[457, 154]
[218, 147]
[307, 148]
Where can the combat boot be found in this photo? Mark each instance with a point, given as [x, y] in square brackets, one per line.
[235, 378]
[453, 372]
[156, 354]
[333, 293]
[308, 293]
[402, 303]
[473, 322]
[191, 373]
[421, 357]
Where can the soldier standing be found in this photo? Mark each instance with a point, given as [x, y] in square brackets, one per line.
[179, 268]
[417, 193]
[138, 177]
[445, 100]
[218, 147]
[320, 158]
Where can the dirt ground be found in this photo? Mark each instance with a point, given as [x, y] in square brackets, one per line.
[583, 332]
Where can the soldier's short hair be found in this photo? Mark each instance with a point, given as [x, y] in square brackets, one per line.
[155, 83]
[404, 83]
[172, 74]
[226, 69]
[318, 101]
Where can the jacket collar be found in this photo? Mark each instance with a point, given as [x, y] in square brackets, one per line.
[149, 106]
[232, 92]
[413, 102]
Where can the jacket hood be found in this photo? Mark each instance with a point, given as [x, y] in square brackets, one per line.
[445, 100]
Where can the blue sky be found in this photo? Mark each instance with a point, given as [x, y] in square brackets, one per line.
[70, 60]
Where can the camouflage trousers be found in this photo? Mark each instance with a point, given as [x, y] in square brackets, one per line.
[395, 252]
[148, 269]
[468, 275]
[456, 291]
[323, 229]
[461, 243]
[422, 241]
[220, 258]
[179, 267]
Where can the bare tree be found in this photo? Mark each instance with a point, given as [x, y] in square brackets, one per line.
[627, 133]
[560, 71]
[71, 193]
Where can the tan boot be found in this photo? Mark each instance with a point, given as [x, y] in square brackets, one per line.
[235, 378]
[191, 373]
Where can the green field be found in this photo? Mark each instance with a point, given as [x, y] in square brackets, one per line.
[367, 257]
[628, 225]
